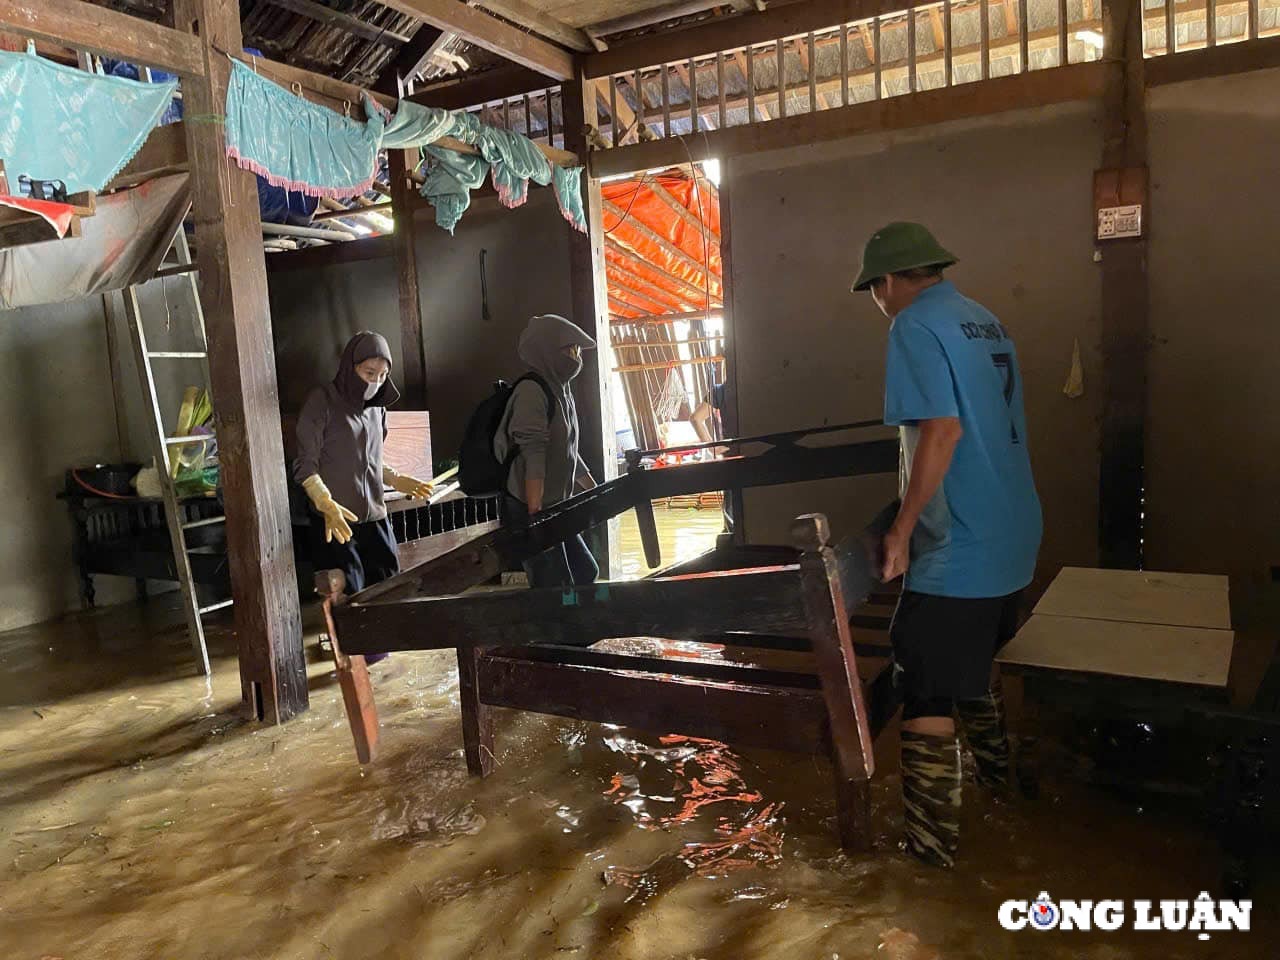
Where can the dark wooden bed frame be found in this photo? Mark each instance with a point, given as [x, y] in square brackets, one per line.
[533, 649]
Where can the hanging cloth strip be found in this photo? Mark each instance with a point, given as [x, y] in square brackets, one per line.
[296, 144]
[416, 126]
[450, 182]
[60, 123]
[568, 184]
[514, 161]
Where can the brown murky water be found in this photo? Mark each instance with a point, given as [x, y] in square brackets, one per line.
[140, 818]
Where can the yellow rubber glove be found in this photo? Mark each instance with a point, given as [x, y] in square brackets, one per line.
[335, 514]
[411, 487]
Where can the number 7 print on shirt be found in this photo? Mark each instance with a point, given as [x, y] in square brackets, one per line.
[1004, 363]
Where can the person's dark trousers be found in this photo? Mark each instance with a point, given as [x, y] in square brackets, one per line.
[369, 557]
[566, 564]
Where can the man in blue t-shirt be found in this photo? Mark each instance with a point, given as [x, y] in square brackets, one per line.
[966, 529]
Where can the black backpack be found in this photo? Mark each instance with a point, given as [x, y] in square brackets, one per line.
[480, 472]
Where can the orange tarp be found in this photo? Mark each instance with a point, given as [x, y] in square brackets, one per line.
[646, 272]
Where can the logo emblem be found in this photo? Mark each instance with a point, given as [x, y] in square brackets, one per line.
[1044, 913]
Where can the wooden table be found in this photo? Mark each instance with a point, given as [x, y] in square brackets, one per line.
[1189, 659]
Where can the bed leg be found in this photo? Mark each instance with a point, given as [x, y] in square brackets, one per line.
[477, 717]
[353, 675]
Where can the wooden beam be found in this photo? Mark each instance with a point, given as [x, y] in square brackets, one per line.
[482, 30]
[728, 33]
[1263, 54]
[590, 311]
[666, 318]
[314, 258]
[1081, 81]
[87, 26]
[624, 293]
[899, 68]
[626, 118]
[471, 90]
[527, 15]
[405, 254]
[233, 294]
[1125, 298]
[409, 59]
[353, 212]
[343, 21]
[164, 152]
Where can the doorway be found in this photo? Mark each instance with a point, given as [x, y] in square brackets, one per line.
[668, 333]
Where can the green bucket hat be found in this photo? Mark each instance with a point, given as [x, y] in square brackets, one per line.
[898, 247]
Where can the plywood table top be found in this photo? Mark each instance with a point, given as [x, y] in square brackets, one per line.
[1144, 651]
[1139, 596]
[1136, 624]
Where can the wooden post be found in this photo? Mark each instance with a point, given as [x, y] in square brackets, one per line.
[477, 717]
[353, 672]
[590, 299]
[413, 378]
[1125, 327]
[233, 293]
[852, 747]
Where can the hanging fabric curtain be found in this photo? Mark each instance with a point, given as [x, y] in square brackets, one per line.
[60, 123]
[415, 126]
[568, 184]
[514, 161]
[296, 144]
[450, 182]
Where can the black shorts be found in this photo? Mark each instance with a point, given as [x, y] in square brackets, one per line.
[943, 646]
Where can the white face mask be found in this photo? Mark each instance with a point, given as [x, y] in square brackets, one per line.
[370, 389]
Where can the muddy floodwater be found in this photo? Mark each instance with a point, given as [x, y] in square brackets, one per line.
[140, 817]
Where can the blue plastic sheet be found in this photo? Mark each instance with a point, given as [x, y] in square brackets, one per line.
[60, 123]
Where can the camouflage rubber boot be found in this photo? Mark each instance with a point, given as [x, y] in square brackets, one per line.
[931, 797]
[983, 724]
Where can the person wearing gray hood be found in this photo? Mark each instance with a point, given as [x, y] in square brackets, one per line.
[547, 467]
[340, 433]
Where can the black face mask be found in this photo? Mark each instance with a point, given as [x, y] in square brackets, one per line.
[568, 367]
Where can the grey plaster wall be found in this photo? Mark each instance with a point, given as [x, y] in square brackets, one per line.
[1212, 496]
[1010, 195]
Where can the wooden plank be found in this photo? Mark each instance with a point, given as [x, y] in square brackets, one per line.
[408, 61]
[780, 64]
[744, 714]
[477, 27]
[844, 65]
[1221, 61]
[1082, 81]
[413, 377]
[1146, 651]
[984, 41]
[355, 251]
[720, 92]
[87, 26]
[407, 448]
[540, 22]
[499, 83]
[1139, 596]
[666, 101]
[233, 294]
[477, 715]
[353, 673]
[729, 33]
[34, 229]
[1024, 62]
[877, 65]
[911, 50]
[826, 610]
[1125, 321]
[765, 599]
[948, 56]
[342, 21]
[1064, 35]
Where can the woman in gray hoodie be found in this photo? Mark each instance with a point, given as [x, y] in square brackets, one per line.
[341, 430]
[547, 467]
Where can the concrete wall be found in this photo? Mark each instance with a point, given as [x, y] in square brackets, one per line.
[314, 311]
[56, 410]
[1010, 195]
[1213, 462]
